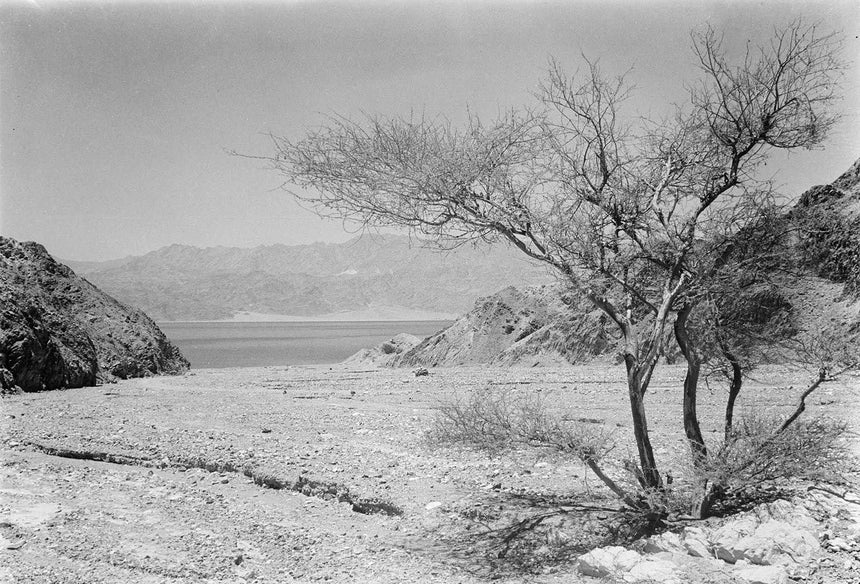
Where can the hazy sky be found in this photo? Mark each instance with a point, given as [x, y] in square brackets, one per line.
[116, 117]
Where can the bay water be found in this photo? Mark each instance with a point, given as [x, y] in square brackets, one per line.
[257, 344]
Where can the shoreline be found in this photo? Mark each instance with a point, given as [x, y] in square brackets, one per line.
[305, 321]
[381, 315]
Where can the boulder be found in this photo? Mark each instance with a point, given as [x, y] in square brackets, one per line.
[763, 574]
[622, 564]
[696, 542]
[654, 570]
[665, 542]
[775, 533]
[611, 561]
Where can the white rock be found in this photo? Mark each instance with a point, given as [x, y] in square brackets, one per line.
[839, 543]
[665, 542]
[776, 533]
[607, 561]
[696, 542]
[433, 505]
[652, 570]
[763, 574]
[776, 542]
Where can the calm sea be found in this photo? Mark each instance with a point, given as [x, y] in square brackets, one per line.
[255, 344]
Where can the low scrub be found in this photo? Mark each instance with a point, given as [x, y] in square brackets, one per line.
[499, 420]
[759, 454]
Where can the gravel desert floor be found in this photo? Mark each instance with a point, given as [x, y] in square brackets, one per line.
[300, 474]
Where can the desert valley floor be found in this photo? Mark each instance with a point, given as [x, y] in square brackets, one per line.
[295, 474]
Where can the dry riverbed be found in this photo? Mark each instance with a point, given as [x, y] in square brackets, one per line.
[300, 474]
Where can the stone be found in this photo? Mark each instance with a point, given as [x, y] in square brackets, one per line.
[653, 570]
[696, 543]
[840, 544]
[776, 533]
[665, 542]
[433, 505]
[607, 561]
[763, 574]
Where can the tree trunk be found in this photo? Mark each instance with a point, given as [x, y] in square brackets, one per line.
[734, 390]
[703, 491]
[691, 386]
[638, 378]
[647, 463]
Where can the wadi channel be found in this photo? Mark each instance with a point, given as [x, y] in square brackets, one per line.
[302, 474]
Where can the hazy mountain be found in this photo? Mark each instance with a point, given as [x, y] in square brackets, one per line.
[372, 275]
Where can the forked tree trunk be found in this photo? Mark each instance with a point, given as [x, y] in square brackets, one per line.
[734, 390]
[704, 492]
[691, 386]
[637, 380]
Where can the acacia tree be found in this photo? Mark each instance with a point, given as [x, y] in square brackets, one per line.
[635, 216]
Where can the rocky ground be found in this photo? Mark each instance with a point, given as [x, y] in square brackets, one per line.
[305, 474]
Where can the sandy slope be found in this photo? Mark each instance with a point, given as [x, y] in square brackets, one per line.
[149, 514]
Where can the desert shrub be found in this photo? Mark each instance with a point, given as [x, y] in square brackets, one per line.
[756, 454]
[497, 420]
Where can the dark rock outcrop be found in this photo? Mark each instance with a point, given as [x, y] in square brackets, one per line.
[57, 330]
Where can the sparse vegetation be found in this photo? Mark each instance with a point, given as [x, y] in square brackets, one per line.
[497, 420]
[757, 454]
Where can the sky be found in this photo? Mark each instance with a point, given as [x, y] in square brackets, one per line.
[117, 118]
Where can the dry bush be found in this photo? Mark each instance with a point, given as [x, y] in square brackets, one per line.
[498, 420]
[758, 454]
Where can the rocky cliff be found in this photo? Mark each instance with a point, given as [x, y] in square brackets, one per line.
[57, 330]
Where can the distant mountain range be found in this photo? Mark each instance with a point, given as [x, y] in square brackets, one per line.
[367, 278]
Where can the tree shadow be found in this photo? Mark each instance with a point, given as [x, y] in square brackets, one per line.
[510, 534]
[747, 499]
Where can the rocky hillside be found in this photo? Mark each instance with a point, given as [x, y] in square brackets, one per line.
[58, 330]
[385, 275]
[530, 326]
[546, 325]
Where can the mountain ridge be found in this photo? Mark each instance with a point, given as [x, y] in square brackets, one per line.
[384, 273]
